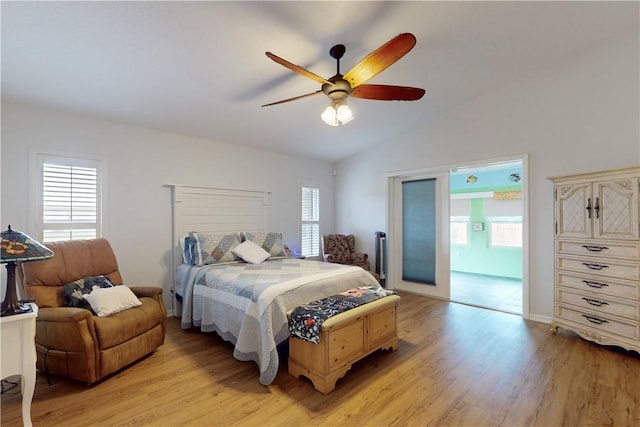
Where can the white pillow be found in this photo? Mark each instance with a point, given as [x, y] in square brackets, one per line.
[251, 252]
[106, 301]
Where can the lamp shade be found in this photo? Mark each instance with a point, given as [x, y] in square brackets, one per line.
[330, 116]
[19, 247]
[338, 113]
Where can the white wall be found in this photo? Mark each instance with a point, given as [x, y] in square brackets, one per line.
[139, 163]
[576, 116]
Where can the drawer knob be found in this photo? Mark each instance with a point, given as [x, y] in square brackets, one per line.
[594, 284]
[594, 319]
[594, 248]
[595, 302]
[594, 266]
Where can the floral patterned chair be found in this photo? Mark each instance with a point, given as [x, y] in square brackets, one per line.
[341, 249]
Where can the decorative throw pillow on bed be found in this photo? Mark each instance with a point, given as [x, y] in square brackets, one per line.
[189, 248]
[215, 248]
[184, 249]
[73, 292]
[270, 242]
[251, 252]
[107, 301]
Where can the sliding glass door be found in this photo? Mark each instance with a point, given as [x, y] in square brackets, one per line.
[419, 231]
[420, 224]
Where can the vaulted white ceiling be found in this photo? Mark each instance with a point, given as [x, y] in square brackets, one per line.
[199, 68]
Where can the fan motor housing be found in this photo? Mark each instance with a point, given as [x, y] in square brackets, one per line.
[339, 90]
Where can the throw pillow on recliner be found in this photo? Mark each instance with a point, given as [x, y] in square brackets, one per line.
[107, 301]
[73, 292]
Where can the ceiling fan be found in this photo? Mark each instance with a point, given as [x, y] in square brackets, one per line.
[339, 87]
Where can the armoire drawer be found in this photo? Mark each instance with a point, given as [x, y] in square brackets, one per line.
[602, 285]
[627, 251]
[600, 304]
[599, 267]
[599, 322]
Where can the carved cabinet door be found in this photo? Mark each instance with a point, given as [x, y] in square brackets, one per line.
[616, 209]
[574, 209]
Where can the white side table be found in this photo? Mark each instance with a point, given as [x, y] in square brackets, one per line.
[19, 354]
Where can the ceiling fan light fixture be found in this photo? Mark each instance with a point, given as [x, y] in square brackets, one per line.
[337, 114]
[330, 116]
[344, 114]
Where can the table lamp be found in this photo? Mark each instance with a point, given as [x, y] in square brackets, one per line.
[18, 247]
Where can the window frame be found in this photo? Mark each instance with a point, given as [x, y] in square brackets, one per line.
[491, 220]
[457, 219]
[302, 222]
[37, 159]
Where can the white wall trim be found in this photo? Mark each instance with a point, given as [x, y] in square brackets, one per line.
[540, 318]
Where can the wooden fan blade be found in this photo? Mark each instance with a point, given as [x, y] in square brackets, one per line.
[388, 93]
[380, 59]
[297, 68]
[292, 99]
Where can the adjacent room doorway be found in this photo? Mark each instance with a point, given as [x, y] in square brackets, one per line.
[486, 221]
[477, 248]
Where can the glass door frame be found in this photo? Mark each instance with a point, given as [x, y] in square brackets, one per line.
[441, 288]
[394, 206]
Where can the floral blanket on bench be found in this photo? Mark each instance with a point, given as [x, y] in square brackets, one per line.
[307, 319]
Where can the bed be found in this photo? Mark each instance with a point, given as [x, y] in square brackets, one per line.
[244, 302]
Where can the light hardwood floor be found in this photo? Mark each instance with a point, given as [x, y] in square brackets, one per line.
[457, 366]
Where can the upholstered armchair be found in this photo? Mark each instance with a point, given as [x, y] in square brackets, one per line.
[341, 249]
[74, 342]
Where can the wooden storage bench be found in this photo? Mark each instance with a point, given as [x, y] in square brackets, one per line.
[344, 339]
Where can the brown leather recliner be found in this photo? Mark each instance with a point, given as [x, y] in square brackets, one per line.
[74, 342]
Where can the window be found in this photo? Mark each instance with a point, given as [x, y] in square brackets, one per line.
[505, 231]
[310, 221]
[459, 230]
[68, 198]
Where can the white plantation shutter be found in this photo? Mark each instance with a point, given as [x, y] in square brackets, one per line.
[310, 221]
[69, 199]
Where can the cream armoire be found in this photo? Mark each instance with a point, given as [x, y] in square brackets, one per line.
[597, 256]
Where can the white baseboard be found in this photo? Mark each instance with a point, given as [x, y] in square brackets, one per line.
[540, 318]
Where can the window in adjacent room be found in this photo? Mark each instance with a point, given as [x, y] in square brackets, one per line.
[309, 220]
[459, 211]
[504, 219]
[459, 230]
[505, 232]
[68, 197]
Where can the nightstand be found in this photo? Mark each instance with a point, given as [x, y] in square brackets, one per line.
[19, 354]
